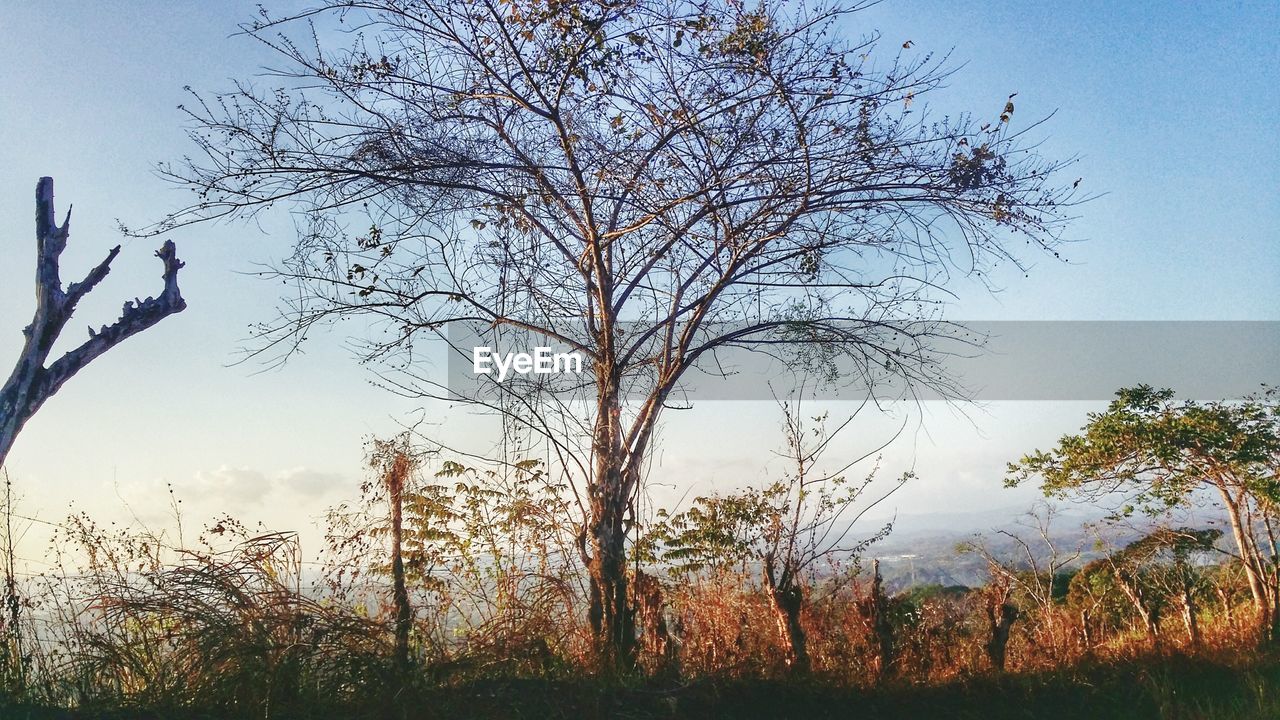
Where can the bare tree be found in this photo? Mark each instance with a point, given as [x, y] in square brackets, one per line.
[33, 381]
[646, 182]
[786, 528]
[1032, 571]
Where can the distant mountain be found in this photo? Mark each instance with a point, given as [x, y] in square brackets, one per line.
[922, 549]
[907, 525]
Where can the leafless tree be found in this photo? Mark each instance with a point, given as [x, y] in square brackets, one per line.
[790, 526]
[646, 182]
[1031, 571]
[34, 379]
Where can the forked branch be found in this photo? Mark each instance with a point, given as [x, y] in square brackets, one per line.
[33, 381]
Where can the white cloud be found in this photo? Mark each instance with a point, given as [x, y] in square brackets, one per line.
[245, 488]
[241, 486]
[308, 482]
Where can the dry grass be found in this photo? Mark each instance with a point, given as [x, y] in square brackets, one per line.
[130, 622]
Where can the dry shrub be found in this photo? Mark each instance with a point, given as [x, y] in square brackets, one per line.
[942, 636]
[226, 627]
[230, 624]
[724, 626]
[494, 581]
[843, 647]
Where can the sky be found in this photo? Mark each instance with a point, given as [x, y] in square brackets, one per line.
[1170, 108]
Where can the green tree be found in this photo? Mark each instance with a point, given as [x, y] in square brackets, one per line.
[1157, 568]
[1092, 593]
[1148, 453]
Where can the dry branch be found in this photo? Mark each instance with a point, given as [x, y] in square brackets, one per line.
[33, 382]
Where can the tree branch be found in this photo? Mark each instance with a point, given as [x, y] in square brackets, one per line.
[32, 383]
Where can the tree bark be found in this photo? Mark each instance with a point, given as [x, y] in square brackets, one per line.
[1253, 568]
[612, 621]
[610, 615]
[33, 382]
[1189, 617]
[1001, 615]
[787, 601]
[397, 474]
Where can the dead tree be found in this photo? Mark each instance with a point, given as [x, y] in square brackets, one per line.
[393, 460]
[33, 382]
[1001, 613]
[395, 478]
[875, 608]
[655, 638]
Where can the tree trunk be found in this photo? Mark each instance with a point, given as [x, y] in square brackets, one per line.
[617, 457]
[1253, 569]
[610, 615]
[875, 611]
[1086, 632]
[1000, 616]
[396, 476]
[1228, 611]
[1150, 620]
[787, 602]
[1189, 617]
[1151, 624]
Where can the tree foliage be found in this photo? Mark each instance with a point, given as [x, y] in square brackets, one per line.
[1149, 453]
[1156, 452]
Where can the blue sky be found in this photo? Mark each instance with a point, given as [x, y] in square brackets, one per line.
[1171, 107]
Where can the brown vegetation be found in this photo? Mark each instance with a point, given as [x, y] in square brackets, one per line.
[233, 625]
